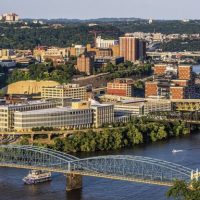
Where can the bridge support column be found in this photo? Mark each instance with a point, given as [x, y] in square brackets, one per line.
[74, 181]
[49, 136]
[32, 138]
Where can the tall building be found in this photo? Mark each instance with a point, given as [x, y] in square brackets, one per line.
[73, 91]
[85, 64]
[132, 48]
[121, 87]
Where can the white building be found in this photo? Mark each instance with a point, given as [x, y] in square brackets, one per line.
[101, 43]
[64, 118]
[7, 111]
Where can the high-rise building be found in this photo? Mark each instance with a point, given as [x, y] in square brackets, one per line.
[132, 48]
[85, 64]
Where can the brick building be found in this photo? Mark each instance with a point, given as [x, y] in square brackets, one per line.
[85, 64]
[121, 87]
[185, 72]
[132, 49]
[151, 89]
[160, 69]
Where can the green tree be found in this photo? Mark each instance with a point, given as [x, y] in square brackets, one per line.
[183, 191]
[134, 135]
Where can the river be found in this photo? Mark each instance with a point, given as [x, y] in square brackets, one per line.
[196, 69]
[12, 187]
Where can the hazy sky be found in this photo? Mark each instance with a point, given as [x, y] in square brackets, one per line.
[84, 9]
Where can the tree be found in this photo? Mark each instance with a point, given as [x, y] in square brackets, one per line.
[134, 135]
[183, 191]
[58, 144]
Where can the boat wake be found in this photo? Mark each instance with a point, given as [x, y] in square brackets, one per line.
[181, 150]
[177, 151]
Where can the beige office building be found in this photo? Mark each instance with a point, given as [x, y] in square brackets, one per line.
[73, 91]
[103, 114]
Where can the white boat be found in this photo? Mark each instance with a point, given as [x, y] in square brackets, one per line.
[176, 151]
[37, 176]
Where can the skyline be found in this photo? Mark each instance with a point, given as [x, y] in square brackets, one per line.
[92, 9]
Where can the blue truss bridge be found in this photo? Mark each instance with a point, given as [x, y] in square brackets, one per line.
[120, 167]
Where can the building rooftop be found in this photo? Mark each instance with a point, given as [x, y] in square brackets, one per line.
[25, 104]
[49, 110]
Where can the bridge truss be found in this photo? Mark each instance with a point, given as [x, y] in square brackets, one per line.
[121, 167]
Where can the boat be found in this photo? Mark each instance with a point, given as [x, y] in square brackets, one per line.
[37, 176]
[176, 151]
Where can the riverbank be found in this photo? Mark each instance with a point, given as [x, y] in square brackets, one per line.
[137, 132]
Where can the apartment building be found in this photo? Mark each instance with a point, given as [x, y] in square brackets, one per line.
[121, 87]
[132, 49]
[85, 63]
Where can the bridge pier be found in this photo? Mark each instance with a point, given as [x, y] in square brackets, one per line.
[49, 136]
[74, 181]
[32, 138]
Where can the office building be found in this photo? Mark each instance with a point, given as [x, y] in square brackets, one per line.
[7, 111]
[73, 91]
[62, 118]
[101, 43]
[103, 114]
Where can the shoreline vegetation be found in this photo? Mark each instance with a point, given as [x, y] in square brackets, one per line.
[136, 132]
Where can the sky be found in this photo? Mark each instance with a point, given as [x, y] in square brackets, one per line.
[87, 9]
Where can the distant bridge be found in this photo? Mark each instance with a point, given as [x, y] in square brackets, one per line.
[120, 167]
[187, 53]
[190, 117]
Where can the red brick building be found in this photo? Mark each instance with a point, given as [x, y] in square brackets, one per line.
[185, 72]
[178, 92]
[121, 87]
[160, 69]
[151, 89]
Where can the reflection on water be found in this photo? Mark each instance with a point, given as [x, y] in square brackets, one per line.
[12, 187]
